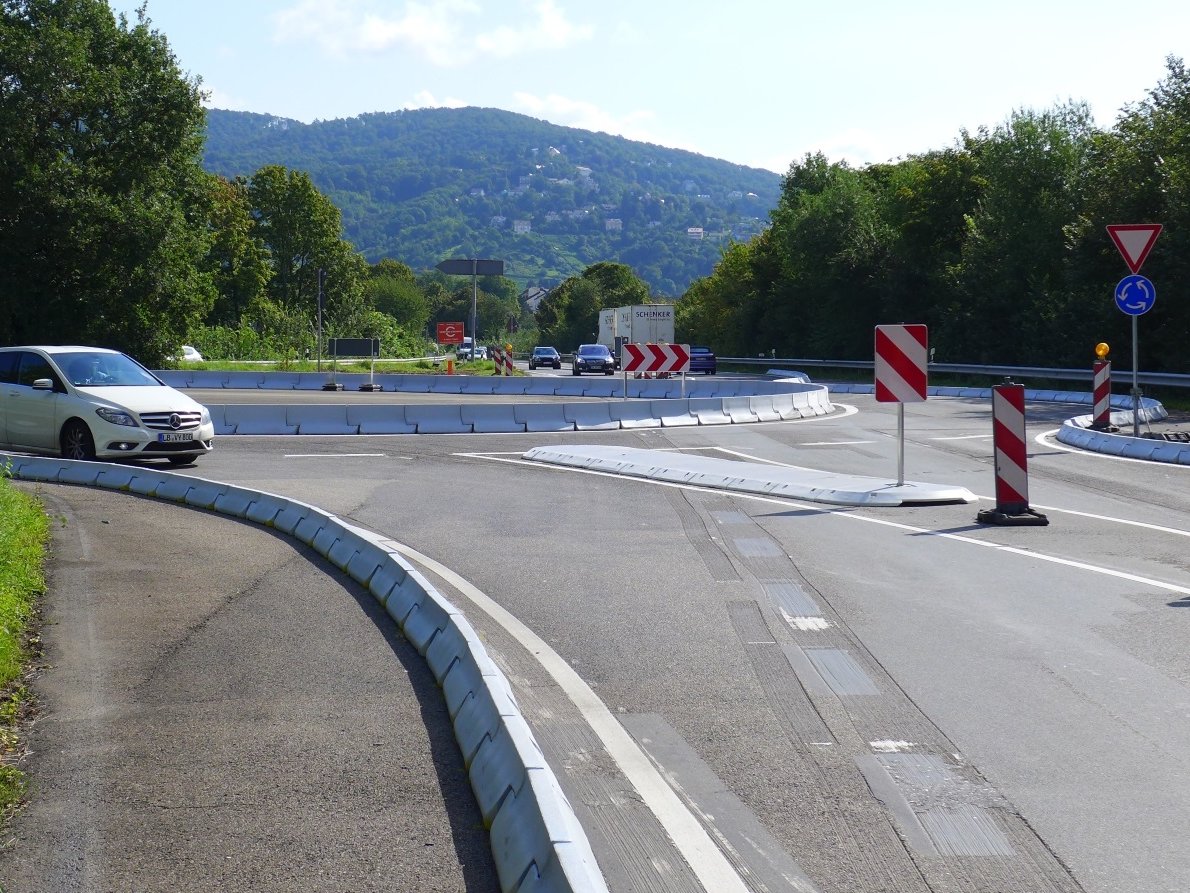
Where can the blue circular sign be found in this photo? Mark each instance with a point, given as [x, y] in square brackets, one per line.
[1135, 295]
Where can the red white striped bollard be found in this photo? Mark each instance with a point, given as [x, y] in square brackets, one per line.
[497, 361]
[1101, 416]
[508, 365]
[1012, 475]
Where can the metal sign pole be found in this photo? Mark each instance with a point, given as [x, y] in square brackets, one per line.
[474, 302]
[1135, 384]
[900, 444]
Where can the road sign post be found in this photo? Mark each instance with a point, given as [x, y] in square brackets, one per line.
[902, 355]
[475, 267]
[1135, 294]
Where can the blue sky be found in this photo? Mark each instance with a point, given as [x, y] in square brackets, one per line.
[755, 82]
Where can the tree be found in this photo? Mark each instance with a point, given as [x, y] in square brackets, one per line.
[103, 202]
[300, 228]
[237, 260]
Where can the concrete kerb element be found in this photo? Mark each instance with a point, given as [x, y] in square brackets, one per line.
[590, 416]
[543, 416]
[491, 418]
[749, 477]
[429, 419]
[382, 418]
[1077, 432]
[258, 419]
[535, 836]
[319, 418]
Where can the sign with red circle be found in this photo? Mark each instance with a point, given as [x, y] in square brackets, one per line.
[450, 333]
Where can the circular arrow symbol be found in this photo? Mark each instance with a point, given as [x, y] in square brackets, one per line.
[1135, 295]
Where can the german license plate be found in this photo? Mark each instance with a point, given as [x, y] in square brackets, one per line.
[175, 437]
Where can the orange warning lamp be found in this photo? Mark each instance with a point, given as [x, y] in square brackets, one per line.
[1102, 350]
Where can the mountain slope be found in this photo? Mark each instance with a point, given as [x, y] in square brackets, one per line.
[422, 185]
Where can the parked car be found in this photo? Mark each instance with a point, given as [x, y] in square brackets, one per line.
[481, 353]
[702, 359]
[190, 355]
[89, 402]
[593, 358]
[545, 356]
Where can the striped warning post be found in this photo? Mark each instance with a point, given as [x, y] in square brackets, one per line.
[1101, 416]
[902, 356]
[1012, 474]
[506, 362]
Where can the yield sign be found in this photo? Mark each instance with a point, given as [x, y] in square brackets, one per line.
[1135, 241]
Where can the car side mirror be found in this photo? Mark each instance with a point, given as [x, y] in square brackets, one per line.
[43, 384]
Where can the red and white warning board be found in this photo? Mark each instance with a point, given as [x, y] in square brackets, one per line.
[902, 354]
[673, 358]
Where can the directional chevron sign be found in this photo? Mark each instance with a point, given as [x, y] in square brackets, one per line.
[656, 358]
[901, 356]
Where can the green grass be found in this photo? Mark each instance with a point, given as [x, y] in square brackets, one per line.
[24, 532]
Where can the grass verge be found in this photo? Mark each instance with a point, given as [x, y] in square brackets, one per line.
[24, 532]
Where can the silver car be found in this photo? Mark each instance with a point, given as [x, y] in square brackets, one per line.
[89, 402]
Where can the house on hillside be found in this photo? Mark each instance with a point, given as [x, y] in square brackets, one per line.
[522, 226]
[695, 232]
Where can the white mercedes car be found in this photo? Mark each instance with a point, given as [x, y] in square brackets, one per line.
[89, 403]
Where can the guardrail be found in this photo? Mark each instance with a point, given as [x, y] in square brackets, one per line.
[1160, 379]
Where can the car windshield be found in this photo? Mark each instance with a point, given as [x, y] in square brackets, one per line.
[593, 350]
[102, 370]
[545, 351]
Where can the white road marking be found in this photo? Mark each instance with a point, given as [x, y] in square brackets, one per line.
[850, 514]
[966, 437]
[835, 442]
[333, 455]
[705, 859]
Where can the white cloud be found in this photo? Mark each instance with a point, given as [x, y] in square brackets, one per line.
[585, 115]
[550, 31]
[426, 100]
[446, 33]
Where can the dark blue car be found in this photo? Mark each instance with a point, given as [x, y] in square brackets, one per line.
[702, 359]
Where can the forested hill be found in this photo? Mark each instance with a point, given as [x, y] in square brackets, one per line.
[422, 185]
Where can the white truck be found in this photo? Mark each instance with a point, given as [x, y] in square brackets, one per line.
[637, 324]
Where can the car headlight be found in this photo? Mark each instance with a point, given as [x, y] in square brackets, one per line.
[116, 416]
[205, 418]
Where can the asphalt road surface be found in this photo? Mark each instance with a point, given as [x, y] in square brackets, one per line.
[840, 699]
[222, 710]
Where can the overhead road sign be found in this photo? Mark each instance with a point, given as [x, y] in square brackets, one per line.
[471, 266]
[902, 355]
[1135, 295]
[1135, 241]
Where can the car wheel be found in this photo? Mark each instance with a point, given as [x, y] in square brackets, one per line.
[557, 365]
[76, 441]
[531, 367]
[575, 372]
[609, 371]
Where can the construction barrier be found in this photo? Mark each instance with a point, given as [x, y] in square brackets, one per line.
[1012, 476]
[1101, 391]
